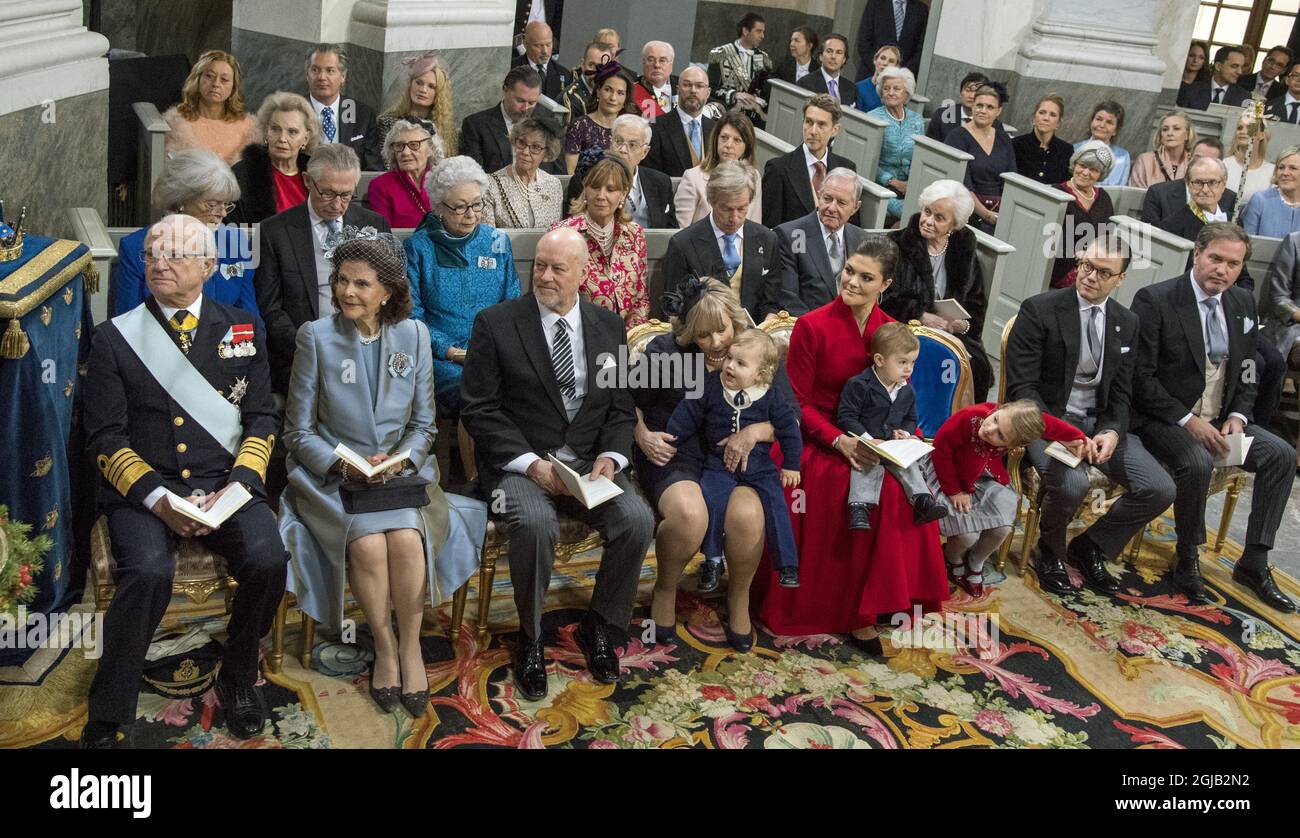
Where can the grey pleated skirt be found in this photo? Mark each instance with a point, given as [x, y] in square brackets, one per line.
[992, 506]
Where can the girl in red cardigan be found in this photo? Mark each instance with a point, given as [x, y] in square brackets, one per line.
[967, 462]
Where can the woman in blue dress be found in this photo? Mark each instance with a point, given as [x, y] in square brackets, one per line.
[458, 266]
[1107, 118]
[869, 96]
[897, 84]
[1276, 211]
[199, 183]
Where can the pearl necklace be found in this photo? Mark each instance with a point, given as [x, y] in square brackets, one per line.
[366, 340]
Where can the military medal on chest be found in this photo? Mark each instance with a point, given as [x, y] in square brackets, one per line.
[237, 391]
[238, 342]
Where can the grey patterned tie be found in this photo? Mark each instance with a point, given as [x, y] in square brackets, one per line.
[833, 253]
[562, 361]
[900, 13]
[1093, 344]
[1216, 343]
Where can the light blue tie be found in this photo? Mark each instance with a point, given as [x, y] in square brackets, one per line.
[693, 133]
[1216, 344]
[730, 256]
[327, 123]
[900, 11]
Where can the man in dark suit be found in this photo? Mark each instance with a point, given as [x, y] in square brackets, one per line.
[178, 400]
[815, 247]
[1221, 88]
[726, 246]
[1285, 106]
[655, 89]
[1268, 83]
[791, 181]
[579, 94]
[954, 114]
[1072, 350]
[552, 13]
[834, 55]
[485, 136]
[651, 200]
[292, 279]
[343, 119]
[881, 25]
[678, 139]
[1193, 386]
[538, 54]
[532, 387]
[1164, 199]
[1205, 181]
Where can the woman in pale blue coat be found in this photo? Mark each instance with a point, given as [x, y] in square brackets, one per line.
[897, 85]
[364, 377]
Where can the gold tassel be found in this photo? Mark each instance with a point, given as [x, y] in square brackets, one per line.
[91, 275]
[14, 344]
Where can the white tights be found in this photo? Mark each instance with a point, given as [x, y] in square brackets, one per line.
[980, 545]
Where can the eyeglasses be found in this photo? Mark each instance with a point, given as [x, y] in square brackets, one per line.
[1103, 275]
[625, 145]
[463, 209]
[413, 145]
[330, 197]
[150, 258]
[213, 206]
[1205, 184]
[692, 85]
[531, 148]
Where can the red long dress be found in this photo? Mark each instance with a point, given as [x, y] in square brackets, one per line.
[848, 578]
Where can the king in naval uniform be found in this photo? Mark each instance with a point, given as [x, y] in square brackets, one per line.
[178, 403]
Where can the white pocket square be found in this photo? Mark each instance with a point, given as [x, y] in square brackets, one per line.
[766, 271]
[609, 362]
[1247, 326]
[1124, 349]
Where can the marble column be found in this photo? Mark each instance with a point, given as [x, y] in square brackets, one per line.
[53, 112]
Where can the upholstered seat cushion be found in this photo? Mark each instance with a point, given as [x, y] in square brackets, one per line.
[194, 562]
[1032, 481]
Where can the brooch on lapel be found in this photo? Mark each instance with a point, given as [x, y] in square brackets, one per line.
[238, 342]
[399, 365]
[232, 270]
[237, 391]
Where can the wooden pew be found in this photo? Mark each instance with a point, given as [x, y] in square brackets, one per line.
[875, 198]
[1030, 222]
[153, 154]
[785, 111]
[860, 138]
[1157, 256]
[1127, 199]
[931, 161]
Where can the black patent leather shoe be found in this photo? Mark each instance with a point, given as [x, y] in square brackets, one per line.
[1091, 562]
[859, 516]
[529, 668]
[710, 574]
[1050, 571]
[870, 646]
[98, 736]
[665, 634]
[740, 642]
[592, 637]
[926, 509]
[788, 577]
[1264, 587]
[1187, 576]
[244, 706]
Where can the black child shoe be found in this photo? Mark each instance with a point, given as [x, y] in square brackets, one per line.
[710, 573]
[788, 577]
[859, 516]
[926, 509]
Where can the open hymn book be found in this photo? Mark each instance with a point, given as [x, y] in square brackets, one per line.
[591, 493]
[1238, 449]
[901, 452]
[214, 516]
[362, 465]
[1059, 452]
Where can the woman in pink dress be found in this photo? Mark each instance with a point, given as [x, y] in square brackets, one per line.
[211, 113]
[410, 151]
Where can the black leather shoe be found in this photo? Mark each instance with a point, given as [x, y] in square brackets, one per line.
[529, 668]
[98, 736]
[859, 516]
[244, 706]
[1091, 562]
[1050, 571]
[788, 577]
[926, 509]
[387, 698]
[665, 634]
[740, 642]
[1264, 587]
[416, 703]
[592, 637]
[1187, 576]
[710, 573]
[871, 646]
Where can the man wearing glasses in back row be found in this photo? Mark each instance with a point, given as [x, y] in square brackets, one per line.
[293, 274]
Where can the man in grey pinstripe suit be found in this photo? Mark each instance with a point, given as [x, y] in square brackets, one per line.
[530, 390]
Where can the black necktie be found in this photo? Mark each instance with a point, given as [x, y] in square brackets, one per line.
[1218, 95]
[1292, 118]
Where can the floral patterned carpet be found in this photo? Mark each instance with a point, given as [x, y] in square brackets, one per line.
[1143, 669]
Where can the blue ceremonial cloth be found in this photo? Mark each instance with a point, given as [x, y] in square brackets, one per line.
[43, 295]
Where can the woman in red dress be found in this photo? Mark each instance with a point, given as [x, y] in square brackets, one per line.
[850, 579]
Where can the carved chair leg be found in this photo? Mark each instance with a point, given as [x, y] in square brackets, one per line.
[1031, 535]
[1229, 507]
[486, 576]
[277, 636]
[308, 640]
[457, 615]
[1005, 549]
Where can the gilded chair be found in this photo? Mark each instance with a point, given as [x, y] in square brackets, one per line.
[780, 327]
[1027, 482]
[575, 536]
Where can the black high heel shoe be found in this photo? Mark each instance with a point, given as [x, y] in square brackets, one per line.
[416, 703]
[740, 642]
[386, 697]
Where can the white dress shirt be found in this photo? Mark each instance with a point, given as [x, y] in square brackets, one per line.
[168, 313]
[577, 344]
[840, 81]
[801, 70]
[636, 197]
[318, 107]
[810, 162]
[839, 240]
[1287, 102]
[1221, 316]
[319, 231]
[1214, 85]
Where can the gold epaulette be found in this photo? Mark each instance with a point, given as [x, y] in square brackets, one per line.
[254, 453]
[123, 469]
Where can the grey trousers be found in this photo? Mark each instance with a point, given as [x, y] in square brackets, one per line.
[625, 523]
[1271, 460]
[1149, 490]
[864, 486]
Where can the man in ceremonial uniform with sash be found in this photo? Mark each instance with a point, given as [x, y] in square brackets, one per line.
[178, 402]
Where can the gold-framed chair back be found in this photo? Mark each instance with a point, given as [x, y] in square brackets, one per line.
[638, 337]
[780, 327]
